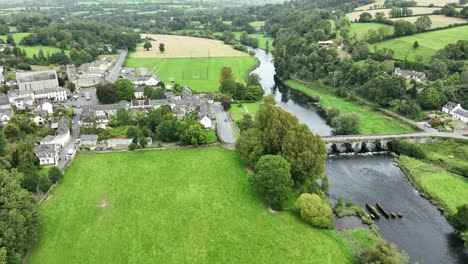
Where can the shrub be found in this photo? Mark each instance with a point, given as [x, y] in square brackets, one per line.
[55, 174]
[272, 180]
[408, 148]
[460, 218]
[314, 211]
[383, 253]
[132, 146]
[346, 124]
[44, 183]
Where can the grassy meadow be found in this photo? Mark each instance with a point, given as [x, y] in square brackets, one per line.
[200, 74]
[372, 122]
[32, 50]
[172, 206]
[446, 188]
[429, 43]
[361, 29]
[438, 21]
[353, 16]
[247, 108]
[450, 154]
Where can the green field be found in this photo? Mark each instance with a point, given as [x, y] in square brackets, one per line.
[446, 188]
[247, 108]
[429, 43]
[450, 154]
[261, 40]
[372, 122]
[32, 50]
[200, 74]
[172, 206]
[361, 29]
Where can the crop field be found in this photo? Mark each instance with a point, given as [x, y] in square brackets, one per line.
[172, 206]
[186, 47]
[429, 43]
[372, 122]
[200, 74]
[361, 29]
[445, 187]
[32, 50]
[438, 21]
[416, 11]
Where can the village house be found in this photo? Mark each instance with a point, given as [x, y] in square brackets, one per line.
[206, 122]
[456, 111]
[410, 75]
[119, 142]
[89, 140]
[2, 77]
[139, 92]
[48, 107]
[21, 99]
[39, 120]
[5, 110]
[148, 80]
[62, 134]
[186, 92]
[47, 154]
[326, 44]
[89, 74]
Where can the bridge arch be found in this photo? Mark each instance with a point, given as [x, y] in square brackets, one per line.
[346, 147]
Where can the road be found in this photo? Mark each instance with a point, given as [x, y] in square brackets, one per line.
[114, 75]
[225, 133]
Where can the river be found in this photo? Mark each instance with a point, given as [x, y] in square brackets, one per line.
[423, 232]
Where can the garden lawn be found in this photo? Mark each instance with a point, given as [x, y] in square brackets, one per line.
[372, 122]
[261, 40]
[32, 50]
[200, 74]
[172, 206]
[429, 43]
[238, 112]
[450, 190]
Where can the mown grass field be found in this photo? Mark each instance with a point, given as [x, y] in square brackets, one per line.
[200, 74]
[429, 43]
[372, 122]
[172, 206]
[447, 188]
[361, 29]
[32, 50]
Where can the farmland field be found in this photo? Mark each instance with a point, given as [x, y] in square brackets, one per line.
[172, 206]
[372, 122]
[32, 50]
[361, 29]
[429, 43]
[380, 3]
[438, 21]
[261, 40]
[186, 47]
[416, 11]
[200, 74]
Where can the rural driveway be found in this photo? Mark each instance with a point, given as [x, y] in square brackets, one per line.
[114, 75]
[225, 132]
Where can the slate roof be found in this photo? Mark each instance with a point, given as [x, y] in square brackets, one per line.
[450, 105]
[36, 76]
[89, 137]
[461, 112]
[63, 126]
[4, 99]
[44, 150]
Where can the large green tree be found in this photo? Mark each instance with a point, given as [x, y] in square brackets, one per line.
[429, 99]
[272, 180]
[168, 129]
[19, 223]
[347, 124]
[306, 152]
[124, 89]
[423, 23]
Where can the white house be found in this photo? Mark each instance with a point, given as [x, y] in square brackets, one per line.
[410, 75]
[206, 122]
[62, 134]
[39, 120]
[140, 92]
[46, 106]
[57, 94]
[456, 111]
[149, 80]
[5, 109]
[118, 142]
[47, 154]
[21, 99]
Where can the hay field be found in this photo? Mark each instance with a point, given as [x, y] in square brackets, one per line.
[185, 47]
[438, 21]
[416, 11]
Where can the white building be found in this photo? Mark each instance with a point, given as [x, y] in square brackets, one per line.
[5, 109]
[456, 111]
[206, 122]
[119, 142]
[46, 106]
[149, 80]
[21, 99]
[56, 94]
[62, 134]
[37, 80]
[47, 154]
